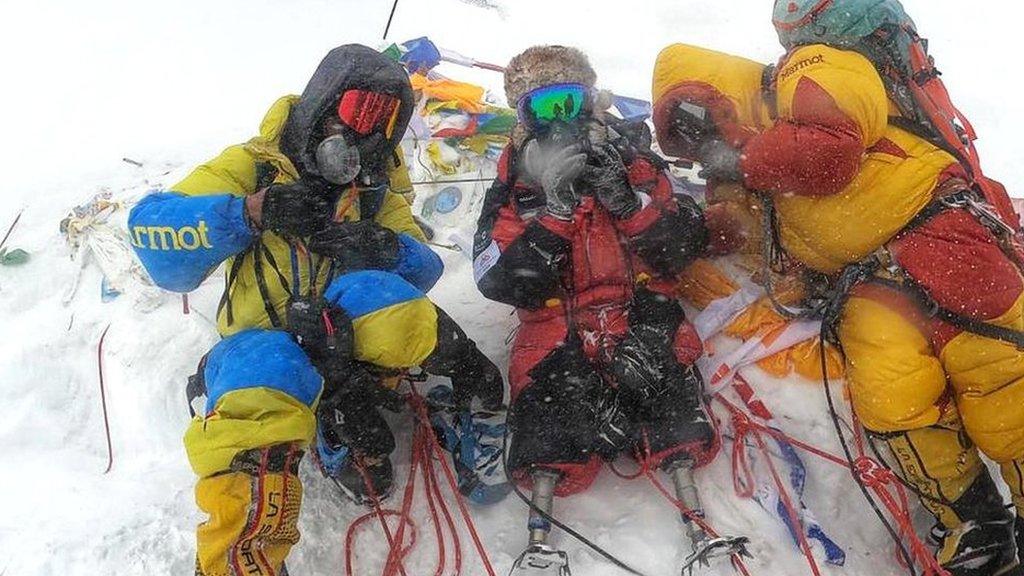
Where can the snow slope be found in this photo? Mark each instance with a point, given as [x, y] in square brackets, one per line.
[170, 83]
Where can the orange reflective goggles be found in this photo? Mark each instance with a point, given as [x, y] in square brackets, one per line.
[366, 112]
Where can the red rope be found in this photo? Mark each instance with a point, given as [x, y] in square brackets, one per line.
[691, 515]
[354, 528]
[424, 444]
[787, 502]
[396, 554]
[103, 392]
[874, 476]
[435, 488]
[421, 411]
[377, 511]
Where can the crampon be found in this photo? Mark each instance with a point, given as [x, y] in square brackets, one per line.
[541, 560]
[710, 548]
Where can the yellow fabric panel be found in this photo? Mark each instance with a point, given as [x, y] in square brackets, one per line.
[988, 376]
[399, 336]
[737, 78]
[232, 172]
[759, 318]
[806, 360]
[826, 233]
[398, 175]
[702, 282]
[234, 533]
[776, 365]
[895, 382]
[242, 420]
[466, 96]
[848, 77]
[395, 214]
[247, 302]
[266, 146]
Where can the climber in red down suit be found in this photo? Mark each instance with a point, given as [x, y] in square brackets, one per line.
[582, 233]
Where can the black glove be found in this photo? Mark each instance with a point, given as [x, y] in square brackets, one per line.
[348, 417]
[329, 347]
[362, 245]
[457, 357]
[615, 427]
[555, 170]
[644, 361]
[605, 174]
[483, 381]
[295, 209]
[721, 162]
[692, 127]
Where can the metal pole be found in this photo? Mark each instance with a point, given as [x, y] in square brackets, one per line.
[390, 17]
[544, 482]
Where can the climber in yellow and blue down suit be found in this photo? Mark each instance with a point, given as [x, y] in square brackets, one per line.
[324, 304]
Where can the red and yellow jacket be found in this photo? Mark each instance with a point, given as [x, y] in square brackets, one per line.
[844, 179]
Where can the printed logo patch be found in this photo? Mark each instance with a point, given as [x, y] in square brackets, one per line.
[486, 260]
[800, 65]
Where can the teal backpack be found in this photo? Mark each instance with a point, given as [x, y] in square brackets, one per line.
[882, 31]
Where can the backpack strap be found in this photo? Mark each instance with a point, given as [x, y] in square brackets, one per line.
[196, 385]
[768, 88]
[229, 284]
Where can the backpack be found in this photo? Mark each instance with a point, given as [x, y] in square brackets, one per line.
[883, 32]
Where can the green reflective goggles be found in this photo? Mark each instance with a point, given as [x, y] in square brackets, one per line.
[546, 104]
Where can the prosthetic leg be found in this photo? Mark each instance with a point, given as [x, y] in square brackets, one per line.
[540, 559]
[705, 546]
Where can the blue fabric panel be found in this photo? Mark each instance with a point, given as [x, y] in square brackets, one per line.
[366, 291]
[181, 239]
[421, 55]
[417, 263]
[332, 459]
[260, 358]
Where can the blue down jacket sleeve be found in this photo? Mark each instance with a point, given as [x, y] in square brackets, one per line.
[181, 239]
[417, 263]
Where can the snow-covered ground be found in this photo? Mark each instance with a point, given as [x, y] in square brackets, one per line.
[168, 84]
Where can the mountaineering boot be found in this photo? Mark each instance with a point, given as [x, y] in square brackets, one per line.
[1018, 529]
[1013, 475]
[980, 549]
[540, 559]
[944, 468]
[984, 541]
[705, 547]
[380, 475]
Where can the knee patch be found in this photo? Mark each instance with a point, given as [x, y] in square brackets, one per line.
[988, 377]
[395, 325]
[896, 383]
[261, 389]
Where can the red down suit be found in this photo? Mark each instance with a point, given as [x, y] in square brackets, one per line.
[575, 280]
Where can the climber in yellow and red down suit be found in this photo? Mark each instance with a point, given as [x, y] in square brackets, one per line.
[582, 233]
[315, 241]
[849, 185]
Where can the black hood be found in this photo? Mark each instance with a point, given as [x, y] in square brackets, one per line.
[352, 66]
